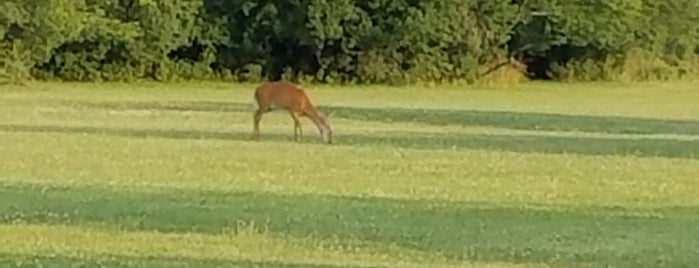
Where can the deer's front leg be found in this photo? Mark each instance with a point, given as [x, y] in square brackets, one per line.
[298, 131]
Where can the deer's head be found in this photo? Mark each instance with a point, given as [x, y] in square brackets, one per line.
[325, 129]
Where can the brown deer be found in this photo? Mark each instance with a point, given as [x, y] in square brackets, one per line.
[272, 95]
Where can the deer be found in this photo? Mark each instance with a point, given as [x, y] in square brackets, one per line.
[281, 94]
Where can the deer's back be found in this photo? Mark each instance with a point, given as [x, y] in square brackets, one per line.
[281, 94]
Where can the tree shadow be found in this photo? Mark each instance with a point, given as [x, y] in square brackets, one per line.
[116, 261]
[519, 120]
[196, 106]
[617, 237]
[442, 117]
[646, 147]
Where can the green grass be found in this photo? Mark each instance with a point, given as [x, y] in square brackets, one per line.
[153, 175]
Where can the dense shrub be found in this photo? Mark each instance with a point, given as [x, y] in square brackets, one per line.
[372, 41]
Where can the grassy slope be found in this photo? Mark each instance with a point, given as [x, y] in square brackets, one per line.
[155, 175]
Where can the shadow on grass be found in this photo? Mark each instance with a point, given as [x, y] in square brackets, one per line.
[196, 106]
[521, 120]
[599, 236]
[513, 143]
[17, 261]
[443, 117]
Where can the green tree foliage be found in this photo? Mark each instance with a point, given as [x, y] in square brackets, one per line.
[31, 30]
[371, 41]
[613, 39]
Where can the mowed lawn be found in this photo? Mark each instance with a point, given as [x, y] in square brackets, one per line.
[165, 175]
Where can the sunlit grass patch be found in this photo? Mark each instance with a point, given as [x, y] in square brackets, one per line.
[246, 243]
[345, 170]
[154, 175]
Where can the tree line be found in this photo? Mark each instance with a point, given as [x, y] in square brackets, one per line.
[347, 41]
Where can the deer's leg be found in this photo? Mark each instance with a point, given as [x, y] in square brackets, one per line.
[298, 131]
[256, 126]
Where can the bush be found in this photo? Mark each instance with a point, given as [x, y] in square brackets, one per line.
[346, 41]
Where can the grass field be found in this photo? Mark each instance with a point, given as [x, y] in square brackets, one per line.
[547, 175]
